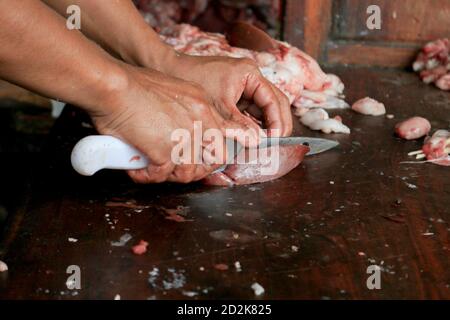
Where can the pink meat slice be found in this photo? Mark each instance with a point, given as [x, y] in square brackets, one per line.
[369, 106]
[413, 128]
[241, 174]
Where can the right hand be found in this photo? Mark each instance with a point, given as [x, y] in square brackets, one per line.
[146, 113]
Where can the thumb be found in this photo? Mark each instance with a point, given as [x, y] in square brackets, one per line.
[240, 127]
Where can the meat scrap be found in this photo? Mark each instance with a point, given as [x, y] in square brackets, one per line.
[257, 289]
[433, 63]
[221, 266]
[369, 106]
[131, 204]
[436, 149]
[177, 215]
[3, 266]
[289, 157]
[318, 119]
[140, 248]
[330, 96]
[413, 128]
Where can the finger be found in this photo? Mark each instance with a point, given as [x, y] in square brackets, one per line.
[183, 173]
[204, 171]
[238, 127]
[261, 92]
[286, 114]
[152, 174]
[253, 110]
[215, 153]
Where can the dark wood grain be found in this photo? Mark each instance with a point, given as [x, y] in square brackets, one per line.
[335, 32]
[309, 235]
[307, 25]
[373, 54]
[409, 21]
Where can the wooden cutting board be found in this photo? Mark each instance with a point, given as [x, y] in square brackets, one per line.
[310, 234]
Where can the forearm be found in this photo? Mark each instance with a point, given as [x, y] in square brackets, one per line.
[38, 52]
[119, 28]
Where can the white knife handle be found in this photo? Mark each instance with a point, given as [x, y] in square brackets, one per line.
[94, 153]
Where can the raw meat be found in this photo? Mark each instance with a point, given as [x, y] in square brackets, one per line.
[290, 69]
[239, 174]
[330, 126]
[369, 106]
[433, 63]
[443, 82]
[313, 116]
[258, 289]
[318, 119]
[140, 248]
[328, 97]
[437, 148]
[413, 128]
[3, 266]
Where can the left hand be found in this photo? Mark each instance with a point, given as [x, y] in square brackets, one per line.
[227, 80]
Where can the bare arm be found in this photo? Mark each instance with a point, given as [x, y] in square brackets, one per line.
[140, 106]
[38, 52]
[119, 28]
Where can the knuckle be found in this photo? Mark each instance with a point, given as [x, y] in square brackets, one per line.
[184, 174]
[285, 99]
[290, 127]
[248, 62]
[200, 106]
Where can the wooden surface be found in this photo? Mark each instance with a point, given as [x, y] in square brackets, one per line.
[335, 32]
[311, 234]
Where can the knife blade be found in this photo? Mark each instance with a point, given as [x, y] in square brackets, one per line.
[316, 145]
[94, 153]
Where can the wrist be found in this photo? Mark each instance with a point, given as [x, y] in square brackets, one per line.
[108, 89]
[148, 51]
[165, 60]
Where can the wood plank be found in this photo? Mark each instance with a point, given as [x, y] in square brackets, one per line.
[307, 24]
[369, 54]
[299, 237]
[409, 21]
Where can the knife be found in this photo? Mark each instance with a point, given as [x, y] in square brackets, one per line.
[97, 152]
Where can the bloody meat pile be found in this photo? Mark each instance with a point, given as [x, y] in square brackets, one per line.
[294, 72]
[433, 63]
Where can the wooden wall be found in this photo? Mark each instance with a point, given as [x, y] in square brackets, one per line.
[335, 31]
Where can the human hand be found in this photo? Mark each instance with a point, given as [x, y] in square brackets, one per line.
[146, 113]
[227, 80]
